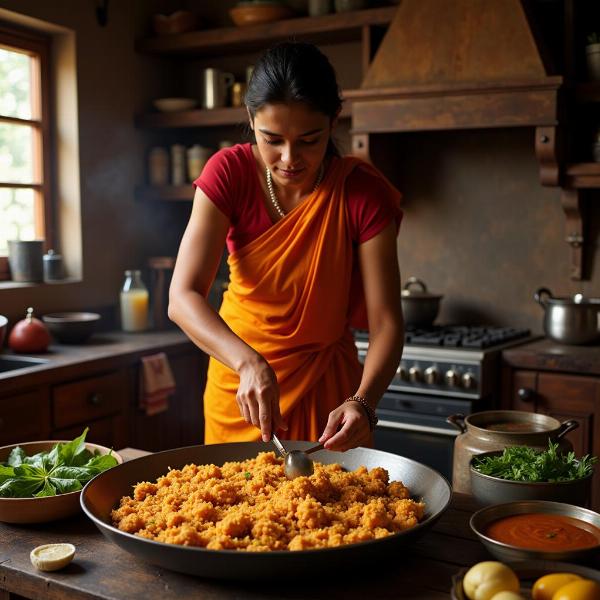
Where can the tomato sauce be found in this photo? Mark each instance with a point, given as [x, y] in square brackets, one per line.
[535, 531]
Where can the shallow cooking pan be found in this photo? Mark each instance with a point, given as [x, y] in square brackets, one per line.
[103, 493]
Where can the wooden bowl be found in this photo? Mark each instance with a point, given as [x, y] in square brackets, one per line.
[255, 14]
[49, 508]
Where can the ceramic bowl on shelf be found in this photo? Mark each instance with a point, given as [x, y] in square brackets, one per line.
[181, 21]
[174, 104]
[256, 13]
[71, 327]
[46, 508]
[542, 540]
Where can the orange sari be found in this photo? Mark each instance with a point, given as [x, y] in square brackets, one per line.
[289, 298]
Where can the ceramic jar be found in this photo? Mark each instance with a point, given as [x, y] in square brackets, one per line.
[495, 430]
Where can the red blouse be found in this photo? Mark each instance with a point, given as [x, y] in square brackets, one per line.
[231, 182]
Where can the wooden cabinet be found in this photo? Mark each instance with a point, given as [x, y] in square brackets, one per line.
[103, 394]
[564, 396]
[182, 424]
[24, 416]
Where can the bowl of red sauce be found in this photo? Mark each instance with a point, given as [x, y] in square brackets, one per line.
[538, 529]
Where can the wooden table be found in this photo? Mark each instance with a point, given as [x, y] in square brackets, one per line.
[101, 570]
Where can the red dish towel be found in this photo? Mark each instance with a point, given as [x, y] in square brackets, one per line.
[157, 383]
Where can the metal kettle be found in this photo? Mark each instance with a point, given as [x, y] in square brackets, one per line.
[570, 320]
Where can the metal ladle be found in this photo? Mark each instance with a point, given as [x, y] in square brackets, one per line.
[296, 463]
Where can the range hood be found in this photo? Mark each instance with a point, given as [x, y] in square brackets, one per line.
[459, 64]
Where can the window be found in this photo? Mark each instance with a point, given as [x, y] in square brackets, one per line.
[25, 187]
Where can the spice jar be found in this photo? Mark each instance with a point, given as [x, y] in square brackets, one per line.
[197, 156]
[158, 166]
[177, 164]
[53, 266]
[134, 302]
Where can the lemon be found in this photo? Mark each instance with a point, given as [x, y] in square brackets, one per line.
[51, 557]
[582, 589]
[487, 578]
[544, 587]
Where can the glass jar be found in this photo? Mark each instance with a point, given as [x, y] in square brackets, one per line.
[134, 302]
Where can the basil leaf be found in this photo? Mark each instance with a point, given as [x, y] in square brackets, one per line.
[20, 487]
[6, 473]
[16, 457]
[30, 472]
[77, 473]
[100, 463]
[62, 486]
[68, 452]
[47, 490]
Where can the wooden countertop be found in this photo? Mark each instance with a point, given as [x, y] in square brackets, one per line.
[101, 570]
[548, 355]
[111, 349]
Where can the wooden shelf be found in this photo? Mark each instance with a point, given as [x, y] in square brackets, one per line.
[168, 193]
[583, 175]
[334, 28]
[216, 117]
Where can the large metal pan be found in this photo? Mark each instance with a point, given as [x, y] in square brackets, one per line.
[103, 493]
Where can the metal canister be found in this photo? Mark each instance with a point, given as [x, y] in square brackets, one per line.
[53, 266]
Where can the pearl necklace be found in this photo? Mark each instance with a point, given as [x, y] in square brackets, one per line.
[273, 197]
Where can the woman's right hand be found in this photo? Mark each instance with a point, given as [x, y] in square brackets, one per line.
[258, 397]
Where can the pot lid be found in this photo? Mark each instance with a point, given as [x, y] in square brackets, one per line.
[416, 288]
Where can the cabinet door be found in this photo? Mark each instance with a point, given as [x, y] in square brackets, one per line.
[182, 424]
[570, 397]
[25, 417]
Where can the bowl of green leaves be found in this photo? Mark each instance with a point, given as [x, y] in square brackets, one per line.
[524, 473]
[42, 481]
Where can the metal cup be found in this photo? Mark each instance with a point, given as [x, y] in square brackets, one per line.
[215, 85]
[25, 260]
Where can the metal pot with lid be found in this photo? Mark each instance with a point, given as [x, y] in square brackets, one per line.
[420, 307]
[570, 320]
[491, 430]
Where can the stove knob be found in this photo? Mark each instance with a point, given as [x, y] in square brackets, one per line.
[414, 374]
[468, 380]
[402, 373]
[432, 375]
[452, 378]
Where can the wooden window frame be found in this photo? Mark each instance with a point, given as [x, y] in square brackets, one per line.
[15, 38]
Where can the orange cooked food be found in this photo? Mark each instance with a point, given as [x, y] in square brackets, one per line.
[250, 505]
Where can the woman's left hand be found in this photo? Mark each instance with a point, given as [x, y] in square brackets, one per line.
[347, 427]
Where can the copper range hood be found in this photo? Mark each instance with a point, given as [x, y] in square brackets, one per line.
[459, 64]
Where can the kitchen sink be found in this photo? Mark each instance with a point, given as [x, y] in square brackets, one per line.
[10, 363]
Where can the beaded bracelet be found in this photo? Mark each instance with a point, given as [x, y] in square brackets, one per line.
[370, 412]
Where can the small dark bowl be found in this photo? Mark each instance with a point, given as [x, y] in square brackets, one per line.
[71, 327]
[493, 490]
[507, 552]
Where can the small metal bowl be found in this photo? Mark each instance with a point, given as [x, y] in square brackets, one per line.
[488, 490]
[507, 552]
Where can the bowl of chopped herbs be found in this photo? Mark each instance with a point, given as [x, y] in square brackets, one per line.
[42, 481]
[524, 473]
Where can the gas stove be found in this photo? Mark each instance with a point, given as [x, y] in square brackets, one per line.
[450, 360]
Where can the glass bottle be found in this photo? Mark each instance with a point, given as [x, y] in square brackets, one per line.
[134, 302]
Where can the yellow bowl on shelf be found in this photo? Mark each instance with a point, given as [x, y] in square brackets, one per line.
[252, 13]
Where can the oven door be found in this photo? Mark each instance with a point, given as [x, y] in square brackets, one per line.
[418, 429]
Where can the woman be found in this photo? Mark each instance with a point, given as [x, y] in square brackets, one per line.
[310, 236]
